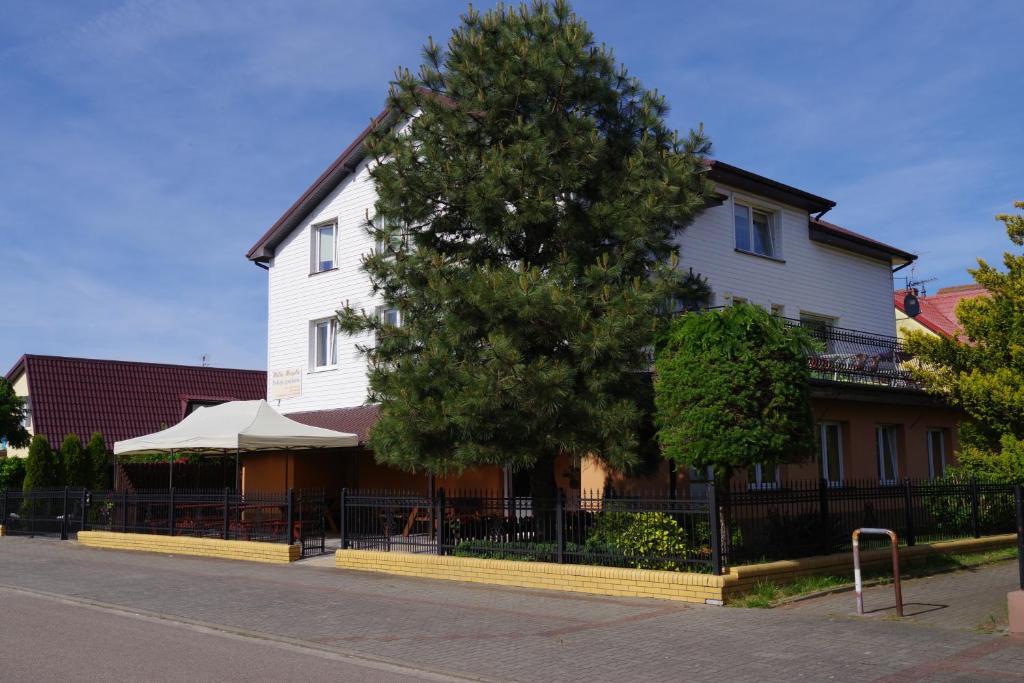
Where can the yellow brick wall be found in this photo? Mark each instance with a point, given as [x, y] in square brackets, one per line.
[638, 583]
[252, 551]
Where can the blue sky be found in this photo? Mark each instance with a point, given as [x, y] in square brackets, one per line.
[145, 145]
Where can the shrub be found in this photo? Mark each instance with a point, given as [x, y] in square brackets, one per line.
[648, 540]
[12, 473]
[41, 465]
[99, 458]
[77, 467]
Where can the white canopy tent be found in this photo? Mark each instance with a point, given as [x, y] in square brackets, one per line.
[238, 426]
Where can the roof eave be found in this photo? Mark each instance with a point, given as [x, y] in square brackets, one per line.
[343, 166]
[864, 247]
[744, 180]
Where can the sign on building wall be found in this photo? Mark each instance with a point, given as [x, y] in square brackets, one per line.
[286, 383]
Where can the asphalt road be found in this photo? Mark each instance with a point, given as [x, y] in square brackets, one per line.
[47, 638]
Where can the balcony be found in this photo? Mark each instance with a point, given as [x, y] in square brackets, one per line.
[859, 357]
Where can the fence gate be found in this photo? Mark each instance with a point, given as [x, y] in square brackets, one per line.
[50, 512]
[310, 509]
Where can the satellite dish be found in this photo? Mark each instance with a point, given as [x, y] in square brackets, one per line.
[911, 305]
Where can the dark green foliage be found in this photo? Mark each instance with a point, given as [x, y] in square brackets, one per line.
[98, 457]
[12, 473]
[41, 466]
[732, 389]
[12, 414]
[526, 218]
[78, 470]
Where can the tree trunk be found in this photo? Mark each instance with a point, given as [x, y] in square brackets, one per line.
[543, 491]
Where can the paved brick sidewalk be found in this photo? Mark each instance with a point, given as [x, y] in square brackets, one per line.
[972, 599]
[508, 634]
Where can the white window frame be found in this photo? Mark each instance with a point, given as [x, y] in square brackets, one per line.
[332, 344]
[759, 482]
[880, 432]
[822, 441]
[774, 215]
[378, 245]
[931, 453]
[382, 312]
[26, 420]
[315, 247]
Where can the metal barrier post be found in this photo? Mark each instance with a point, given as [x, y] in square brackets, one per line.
[714, 528]
[823, 516]
[858, 584]
[85, 508]
[342, 528]
[64, 517]
[3, 508]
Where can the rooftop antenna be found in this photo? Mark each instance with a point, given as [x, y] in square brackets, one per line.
[206, 361]
[914, 288]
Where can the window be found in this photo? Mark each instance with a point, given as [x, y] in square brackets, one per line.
[763, 476]
[399, 239]
[936, 453]
[389, 316]
[888, 458]
[756, 230]
[830, 445]
[324, 239]
[26, 421]
[819, 327]
[778, 310]
[325, 348]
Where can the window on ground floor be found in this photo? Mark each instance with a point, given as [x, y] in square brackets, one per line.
[936, 453]
[763, 476]
[888, 457]
[830, 451]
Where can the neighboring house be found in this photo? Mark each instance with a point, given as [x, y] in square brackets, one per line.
[761, 241]
[119, 399]
[938, 311]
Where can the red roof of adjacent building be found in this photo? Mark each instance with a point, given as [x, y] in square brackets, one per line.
[938, 311]
[123, 399]
[356, 420]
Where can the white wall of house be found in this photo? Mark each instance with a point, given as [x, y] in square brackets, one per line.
[808, 277]
[298, 297]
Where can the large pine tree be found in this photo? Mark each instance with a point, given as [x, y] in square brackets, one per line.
[529, 191]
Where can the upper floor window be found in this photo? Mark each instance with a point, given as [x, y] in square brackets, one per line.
[324, 343]
[888, 458]
[398, 240]
[936, 453]
[756, 230]
[324, 247]
[389, 316]
[26, 421]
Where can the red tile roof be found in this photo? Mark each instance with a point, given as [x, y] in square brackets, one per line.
[356, 420]
[938, 311]
[123, 399]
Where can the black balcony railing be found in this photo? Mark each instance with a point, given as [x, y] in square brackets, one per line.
[855, 356]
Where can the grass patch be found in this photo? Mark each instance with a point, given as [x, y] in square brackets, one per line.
[767, 594]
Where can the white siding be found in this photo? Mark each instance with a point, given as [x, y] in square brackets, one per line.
[813, 278]
[296, 298]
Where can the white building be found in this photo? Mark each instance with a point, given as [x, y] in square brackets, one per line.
[763, 242]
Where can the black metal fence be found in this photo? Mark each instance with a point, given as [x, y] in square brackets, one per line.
[798, 519]
[268, 516]
[718, 527]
